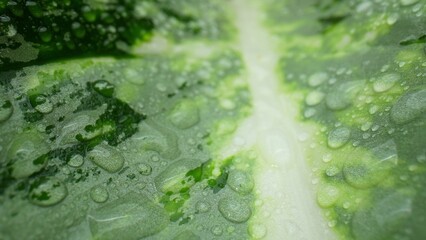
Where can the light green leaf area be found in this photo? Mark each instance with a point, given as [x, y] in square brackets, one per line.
[358, 68]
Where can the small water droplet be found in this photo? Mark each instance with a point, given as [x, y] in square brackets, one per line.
[314, 98]
[104, 88]
[408, 2]
[317, 79]
[76, 161]
[332, 223]
[99, 194]
[144, 169]
[202, 206]
[257, 230]
[45, 34]
[392, 19]
[217, 230]
[327, 195]
[326, 157]
[240, 182]
[185, 114]
[41, 103]
[332, 171]
[338, 137]
[106, 158]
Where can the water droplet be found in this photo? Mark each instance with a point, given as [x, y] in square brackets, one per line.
[99, 194]
[202, 206]
[338, 137]
[386, 82]
[310, 112]
[132, 216]
[373, 109]
[76, 161]
[341, 96]
[257, 230]
[234, 210]
[47, 191]
[317, 79]
[106, 158]
[161, 87]
[409, 107]
[185, 115]
[27, 154]
[157, 138]
[240, 182]
[332, 223]
[217, 230]
[327, 195]
[346, 205]
[134, 76]
[332, 171]
[6, 109]
[88, 14]
[326, 157]
[366, 169]
[4, 18]
[78, 30]
[34, 9]
[408, 2]
[314, 98]
[144, 169]
[45, 34]
[392, 19]
[104, 88]
[174, 177]
[365, 126]
[41, 103]
[364, 6]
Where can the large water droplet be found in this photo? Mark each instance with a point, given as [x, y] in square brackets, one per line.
[47, 191]
[409, 107]
[338, 137]
[26, 154]
[132, 216]
[386, 82]
[408, 2]
[154, 137]
[366, 169]
[234, 210]
[174, 177]
[106, 158]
